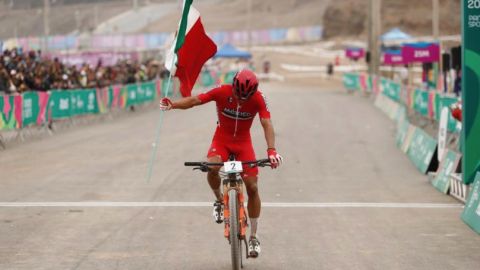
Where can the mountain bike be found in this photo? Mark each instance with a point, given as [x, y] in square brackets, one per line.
[235, 216]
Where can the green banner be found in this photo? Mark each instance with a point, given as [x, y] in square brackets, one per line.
[471, 212]
[391, 89]
[402, 131]
[207, 79]
[440, 103]
[60, 104]
[31, 108]
[471, 89]
[351, 81]
[420, 102]
[83, 102]
[229, 77]
[140, 93]
[448, 165]
[421, 149]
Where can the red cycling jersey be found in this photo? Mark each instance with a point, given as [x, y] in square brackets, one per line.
[234, 119]
[233, 127]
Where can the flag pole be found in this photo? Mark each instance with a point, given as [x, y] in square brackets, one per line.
[159, 124]
[160, 119]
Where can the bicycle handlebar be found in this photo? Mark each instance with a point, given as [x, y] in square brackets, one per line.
[204, 166]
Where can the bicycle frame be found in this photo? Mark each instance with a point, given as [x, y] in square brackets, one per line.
[234, 181]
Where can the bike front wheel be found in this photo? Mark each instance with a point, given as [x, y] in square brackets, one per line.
[235, 243]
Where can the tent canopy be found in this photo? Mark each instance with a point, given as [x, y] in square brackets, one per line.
[395, 34]
[229, 51]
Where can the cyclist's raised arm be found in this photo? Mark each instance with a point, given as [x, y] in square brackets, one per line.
[182, 104]
[186, 103]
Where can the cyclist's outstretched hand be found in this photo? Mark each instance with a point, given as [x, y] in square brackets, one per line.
[275, 159]
[165, 104]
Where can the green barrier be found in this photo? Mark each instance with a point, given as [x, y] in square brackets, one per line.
[402, 131]
[60, 104]
[440, 103]
[229, 77]
[20, 111]
[420, 102]
[207, 79]
[140, 93]
[351, 81]
[401, 115]
[31, 108]
[83, 102]
[7, 121]
[448, 165]
[471, 212]
[391, 89]
[421, 150]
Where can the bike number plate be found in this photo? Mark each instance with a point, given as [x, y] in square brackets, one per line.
[233, 167]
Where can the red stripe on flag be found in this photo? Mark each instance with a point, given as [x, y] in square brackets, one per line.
[196, 50]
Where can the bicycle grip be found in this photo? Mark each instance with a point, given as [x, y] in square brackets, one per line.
[193, 164]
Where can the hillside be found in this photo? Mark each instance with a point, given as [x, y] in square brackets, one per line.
[233, 15]
[348, 18]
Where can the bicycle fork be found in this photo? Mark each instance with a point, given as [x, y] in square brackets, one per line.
[242, 216]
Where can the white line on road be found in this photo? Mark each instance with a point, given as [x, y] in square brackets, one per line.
[209, 204]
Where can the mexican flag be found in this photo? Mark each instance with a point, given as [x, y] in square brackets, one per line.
[191, 49]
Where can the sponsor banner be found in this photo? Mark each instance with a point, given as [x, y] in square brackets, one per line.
[391, 58]
[354, 53]
[442, 132]
[421, 150]
[140, 93]
[17, 111]
[31, 108]
[83, 102]
[421, 52]
[207, 79]
[447, 166]
[93, 58]
[60, 104]
[471, 212]
[351, 81]
[445, 102]
[470, 89]
[160, 40]
[392, 90]
[408, 138]
[402, 132]
[420, 102]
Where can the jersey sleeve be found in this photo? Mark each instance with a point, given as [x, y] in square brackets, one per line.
[263, 110]
[210, 95]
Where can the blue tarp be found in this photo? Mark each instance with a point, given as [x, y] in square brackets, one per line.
[228, 51]
[420, 45]
[395, 34]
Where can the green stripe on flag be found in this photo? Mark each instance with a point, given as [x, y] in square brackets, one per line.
[183, 25]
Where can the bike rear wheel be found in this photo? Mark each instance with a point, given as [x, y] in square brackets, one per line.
[235, 243]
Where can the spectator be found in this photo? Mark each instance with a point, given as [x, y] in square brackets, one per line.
[27, 71]
[329, 70]
[457, 88]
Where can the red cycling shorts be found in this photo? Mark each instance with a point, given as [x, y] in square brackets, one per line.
[243, 151]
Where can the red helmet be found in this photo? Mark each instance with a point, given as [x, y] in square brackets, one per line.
[245, 84]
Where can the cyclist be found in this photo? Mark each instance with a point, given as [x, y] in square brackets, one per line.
[237, 105]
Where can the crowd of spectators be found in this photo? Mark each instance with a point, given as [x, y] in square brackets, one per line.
[20, 72]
